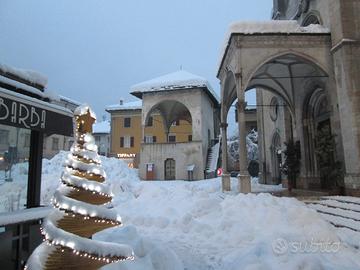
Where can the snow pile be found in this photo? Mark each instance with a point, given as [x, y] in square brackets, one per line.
[193, 225]
[28, 75]
[13, 194]
[148, 254]
[118, 175]
[207, 229]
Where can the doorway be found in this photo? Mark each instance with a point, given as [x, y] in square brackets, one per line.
[170, 169]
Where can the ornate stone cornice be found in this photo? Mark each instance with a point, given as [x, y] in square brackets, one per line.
[283, 40]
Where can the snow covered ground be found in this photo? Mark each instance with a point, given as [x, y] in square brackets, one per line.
[193, 225]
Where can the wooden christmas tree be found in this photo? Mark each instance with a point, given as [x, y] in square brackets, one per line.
[80, 210]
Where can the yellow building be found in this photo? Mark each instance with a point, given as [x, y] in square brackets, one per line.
[126, 131]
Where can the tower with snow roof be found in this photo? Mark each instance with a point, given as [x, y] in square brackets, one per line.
[178, 96]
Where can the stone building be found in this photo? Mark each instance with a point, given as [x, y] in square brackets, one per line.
[126, 131]
[305, 65]
[178, 97]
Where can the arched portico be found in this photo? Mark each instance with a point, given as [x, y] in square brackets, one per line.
[272, 60]
[170, 111]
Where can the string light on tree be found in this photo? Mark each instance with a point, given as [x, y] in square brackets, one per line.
[80, 210]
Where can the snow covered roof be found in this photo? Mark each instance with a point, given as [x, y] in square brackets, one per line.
[133, 105]
[275, 26]
[101, 127]
[30, 100]
[269, 27]
[70, 100]
[173, 81]
[28, 75]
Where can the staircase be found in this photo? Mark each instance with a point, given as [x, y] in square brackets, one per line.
[212, 160]
[340, 211]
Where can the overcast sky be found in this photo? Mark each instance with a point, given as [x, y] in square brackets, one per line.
[94, 50]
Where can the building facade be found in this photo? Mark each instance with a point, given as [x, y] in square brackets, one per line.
[187, 99]
[305, 65]
[126, 131]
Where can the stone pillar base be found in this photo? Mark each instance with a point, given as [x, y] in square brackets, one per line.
[244, 183]
[352, 181]
[225, 181]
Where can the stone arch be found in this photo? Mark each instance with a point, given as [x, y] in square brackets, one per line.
[307, 58]
[170, 111]
[315, 111]
[228, 94]
[278, 72]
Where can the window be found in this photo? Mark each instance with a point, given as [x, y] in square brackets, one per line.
[97, 138]
[190, 138]
[55, 144]
[127, 122]
[172, 138]
[176, 123]
[127, 142]
[154, 139]
[150, 122]
[13, 193]
[4, 136]
[27, 140]
[149, 139]
[121, 142]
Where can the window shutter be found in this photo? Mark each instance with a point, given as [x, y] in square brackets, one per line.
[121, 141]
[132, 142]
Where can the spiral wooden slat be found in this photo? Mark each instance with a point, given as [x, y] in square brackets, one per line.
[80, 207]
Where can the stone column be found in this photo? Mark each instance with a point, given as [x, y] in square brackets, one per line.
[345, 34]
[225, 178]
[244, 177]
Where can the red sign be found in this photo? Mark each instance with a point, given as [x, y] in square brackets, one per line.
[219, 172]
